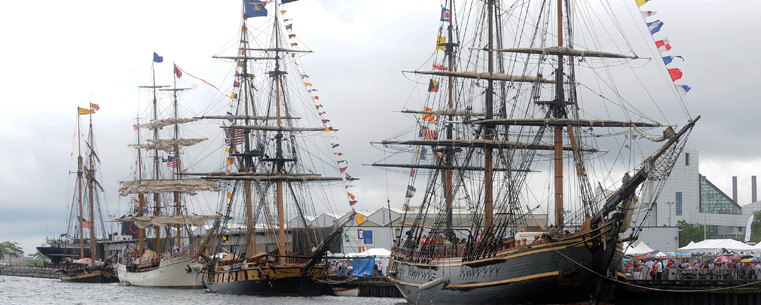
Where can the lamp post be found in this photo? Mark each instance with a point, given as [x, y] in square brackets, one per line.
[668, 205]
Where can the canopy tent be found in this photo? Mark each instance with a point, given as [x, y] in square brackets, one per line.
[377, 252]
[718, 246]
[640, 249]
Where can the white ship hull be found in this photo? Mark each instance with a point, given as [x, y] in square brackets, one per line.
[171, 273]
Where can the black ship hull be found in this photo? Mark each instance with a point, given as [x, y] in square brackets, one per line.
[57, 254]
[286, 281]
[547, 273]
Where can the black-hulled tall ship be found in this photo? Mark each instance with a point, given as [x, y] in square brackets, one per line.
[280, 166]
[85, 214]
[502, 133]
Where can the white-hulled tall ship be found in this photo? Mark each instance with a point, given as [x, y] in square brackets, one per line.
[167, 253]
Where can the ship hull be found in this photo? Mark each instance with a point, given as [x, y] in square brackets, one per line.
[276, 281]
[57, 254]
[90, 276]
[553, 273]
[171, 273]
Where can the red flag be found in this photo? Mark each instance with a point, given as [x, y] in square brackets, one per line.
[412, 172]
[177, 71]
[343, 169]
[675, 74]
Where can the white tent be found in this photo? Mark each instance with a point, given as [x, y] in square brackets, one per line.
[377, 252]
[640, 249]
[718, 246]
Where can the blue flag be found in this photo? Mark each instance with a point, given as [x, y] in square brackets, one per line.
[255, 9]
[410, 191]
[289, 1]
[445, 14]
[289, 27]
[157, 58]
[668, 59]
[654, 26]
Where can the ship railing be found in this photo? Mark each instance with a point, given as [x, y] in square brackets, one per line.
[670, 274]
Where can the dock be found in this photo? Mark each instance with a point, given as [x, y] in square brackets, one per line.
[25, 271]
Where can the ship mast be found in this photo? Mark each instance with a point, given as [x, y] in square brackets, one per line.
[489, 130]
[279, 154]
[449, 154]
[141, 196]
[558, 111]
[80, 171]
[91, 189]
[157, 209]
[248, 162]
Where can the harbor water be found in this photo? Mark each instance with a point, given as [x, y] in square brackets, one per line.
[26, 290]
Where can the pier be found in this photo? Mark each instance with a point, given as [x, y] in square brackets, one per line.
[47, 273]
[693, 287]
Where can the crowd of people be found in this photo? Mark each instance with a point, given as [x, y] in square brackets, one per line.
[669, 269]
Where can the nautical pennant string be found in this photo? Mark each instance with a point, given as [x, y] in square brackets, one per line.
[664, 45]
[343, 165]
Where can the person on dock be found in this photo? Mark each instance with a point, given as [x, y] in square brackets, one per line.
[659, 269]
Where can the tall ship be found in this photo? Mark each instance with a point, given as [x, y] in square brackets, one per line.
[85, 214]
[280, 167]
[530, 107]
[166, 253]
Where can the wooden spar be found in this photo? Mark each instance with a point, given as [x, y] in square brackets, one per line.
[558, 130]
[80, 171]
[449, 157]
[279, 184]
[250, 227]
[177, 162]
[141, 196]
[488, 172]
[91, 196]
[156, 200]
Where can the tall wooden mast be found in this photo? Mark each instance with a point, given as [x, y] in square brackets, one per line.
[91, 190]
[280, 159]
[80, 172]
[489, 130]
[558, 111]
[156, 200]
[449, 154]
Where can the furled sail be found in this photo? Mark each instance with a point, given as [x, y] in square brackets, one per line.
[143, 222]
[188, 186]
[487, 76]
[167, 145]
[166, 122]
[446, 112]
[556, 50]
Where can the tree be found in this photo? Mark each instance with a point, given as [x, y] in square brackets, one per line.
[11, 249]
[755, 227]
[689, 233]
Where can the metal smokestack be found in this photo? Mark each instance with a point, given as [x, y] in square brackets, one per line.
[734, 188]
[753, 188]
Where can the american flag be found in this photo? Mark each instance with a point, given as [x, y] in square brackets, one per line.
[85, 223]
[238, 136]
[430, 133]
[172, 162]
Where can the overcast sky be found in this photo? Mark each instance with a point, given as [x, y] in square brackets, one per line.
[60, 55]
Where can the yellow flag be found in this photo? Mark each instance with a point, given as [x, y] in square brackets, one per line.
[84, 110]
[229, 195]
[440, 42]
[360, 219]
[641, 2]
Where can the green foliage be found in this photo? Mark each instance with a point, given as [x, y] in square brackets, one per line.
[10, 248]
[689, 233]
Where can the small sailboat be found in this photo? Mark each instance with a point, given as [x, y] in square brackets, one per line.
[87, 268]
[160, 197]
[511, 125]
